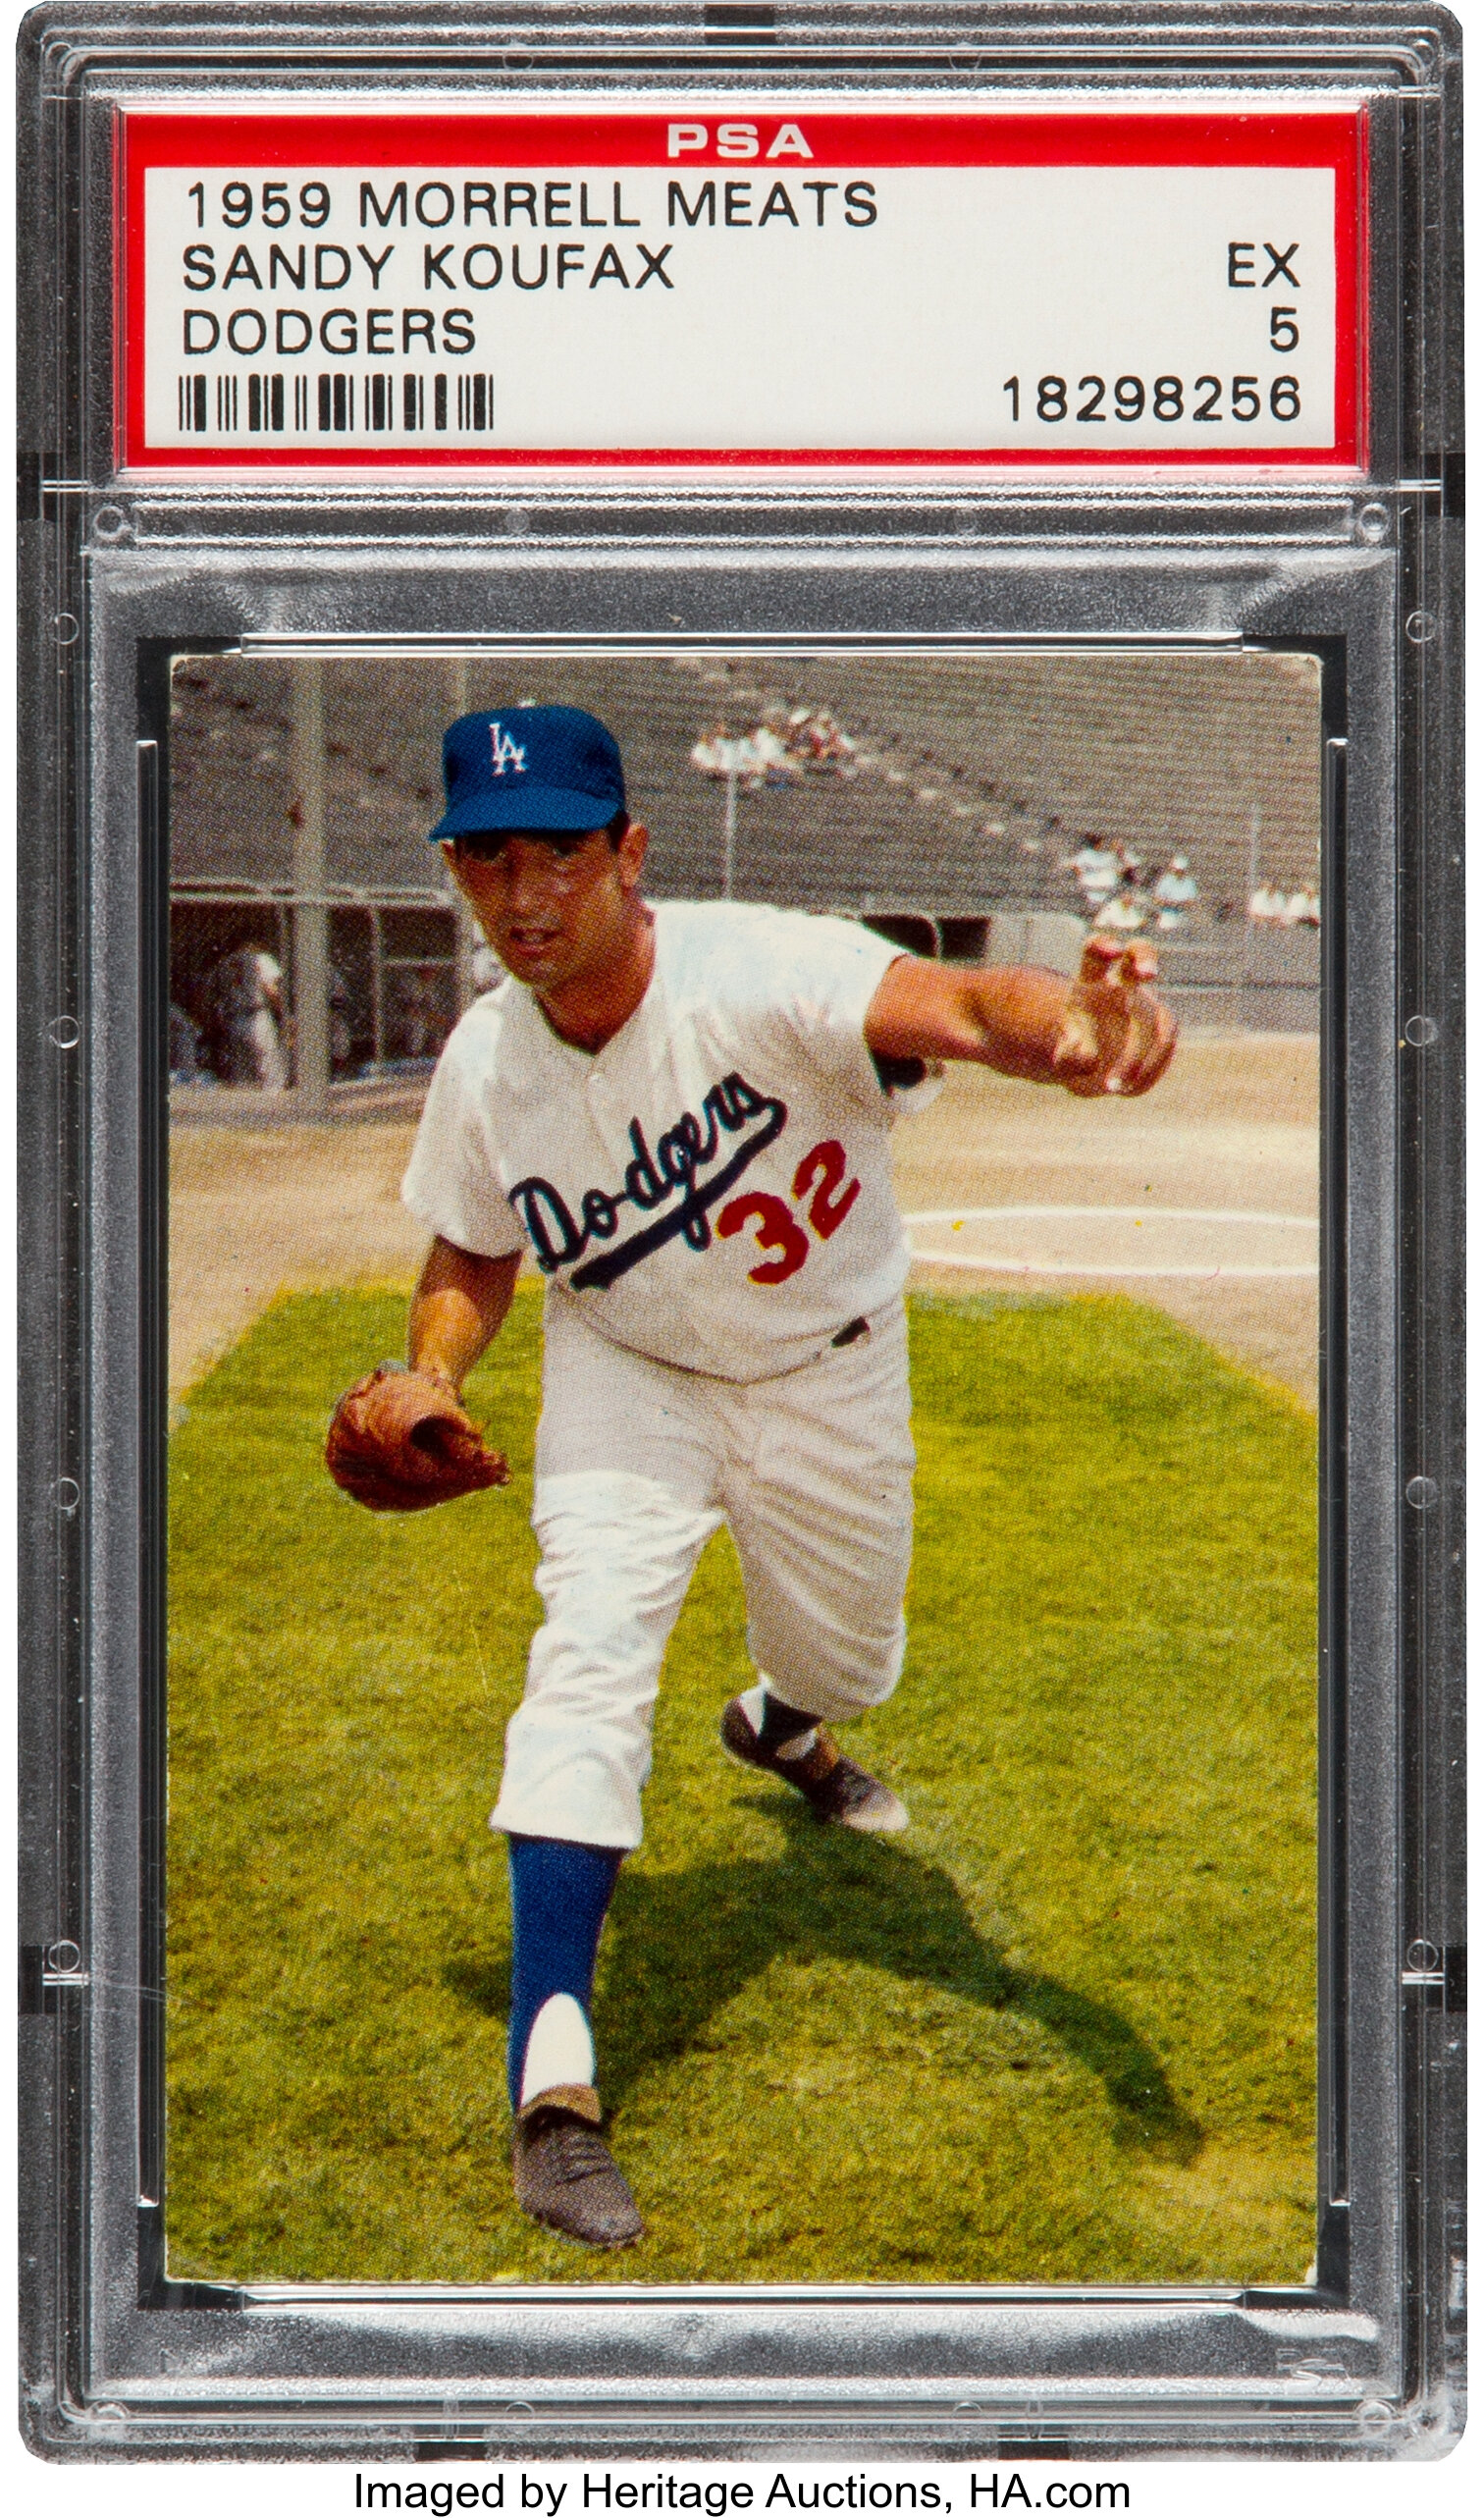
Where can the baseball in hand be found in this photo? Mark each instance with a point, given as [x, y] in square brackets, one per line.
[1115, 1037]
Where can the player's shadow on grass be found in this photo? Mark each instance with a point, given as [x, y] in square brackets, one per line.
[681, 1945]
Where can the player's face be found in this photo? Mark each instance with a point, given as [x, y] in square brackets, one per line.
[554, 917]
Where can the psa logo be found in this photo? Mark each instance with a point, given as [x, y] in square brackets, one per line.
[509, 754]
[735, 139]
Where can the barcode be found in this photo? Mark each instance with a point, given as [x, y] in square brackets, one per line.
[334, 406]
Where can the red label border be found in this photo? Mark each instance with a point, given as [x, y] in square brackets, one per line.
[629, 137]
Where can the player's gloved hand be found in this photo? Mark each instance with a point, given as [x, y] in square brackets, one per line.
[401, 1441]
[1116, 1037]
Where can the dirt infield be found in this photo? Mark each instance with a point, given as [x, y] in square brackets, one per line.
[1232, 1129]
[1233, 1126]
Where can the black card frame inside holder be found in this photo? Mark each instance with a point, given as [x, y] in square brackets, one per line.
[119, 574]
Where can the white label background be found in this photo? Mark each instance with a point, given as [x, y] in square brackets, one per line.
[894, 336]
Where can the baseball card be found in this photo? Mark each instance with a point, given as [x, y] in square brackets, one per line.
[740, 1001]
[743, 1356]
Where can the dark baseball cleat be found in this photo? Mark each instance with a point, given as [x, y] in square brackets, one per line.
[567, 2178]
[833, 1784]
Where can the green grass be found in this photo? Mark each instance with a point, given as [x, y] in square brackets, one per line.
[1062, 2031]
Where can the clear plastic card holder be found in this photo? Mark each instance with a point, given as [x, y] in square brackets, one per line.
[917, 432]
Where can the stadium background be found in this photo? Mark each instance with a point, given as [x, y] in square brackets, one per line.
[972, 779]
[1088, 1972]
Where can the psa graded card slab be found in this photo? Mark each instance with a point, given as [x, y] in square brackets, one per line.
[742, 1016]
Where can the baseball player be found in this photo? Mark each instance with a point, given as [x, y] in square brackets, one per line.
[246, 997]
[682, 1113]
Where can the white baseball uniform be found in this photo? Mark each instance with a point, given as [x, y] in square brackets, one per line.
[710, 1199]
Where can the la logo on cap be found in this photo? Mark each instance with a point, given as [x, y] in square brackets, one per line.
[507, 753]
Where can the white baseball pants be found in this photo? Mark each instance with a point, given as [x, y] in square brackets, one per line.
[637, 1464]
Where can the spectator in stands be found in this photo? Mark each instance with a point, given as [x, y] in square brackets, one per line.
[1175, 895]
[760, 758]
[816, 739]
[713, 753]
[1124, 912]
[770, 762]
[1272, 906]
[1095, 863]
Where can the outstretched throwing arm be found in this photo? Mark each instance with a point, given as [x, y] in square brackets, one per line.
[1103, 1031]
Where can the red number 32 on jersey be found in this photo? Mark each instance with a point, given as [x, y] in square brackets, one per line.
[820, 1173]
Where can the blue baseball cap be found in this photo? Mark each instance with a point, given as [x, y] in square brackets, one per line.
[530, 768]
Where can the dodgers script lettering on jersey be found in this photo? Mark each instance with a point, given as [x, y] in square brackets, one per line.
[714, 1187]
[673, 1177]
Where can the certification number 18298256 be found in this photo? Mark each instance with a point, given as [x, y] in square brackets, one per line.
[1092, 401]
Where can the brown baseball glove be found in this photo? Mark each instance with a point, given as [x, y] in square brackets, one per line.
[401, 1441]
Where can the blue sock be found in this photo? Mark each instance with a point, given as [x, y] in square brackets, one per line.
[559, 1893]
